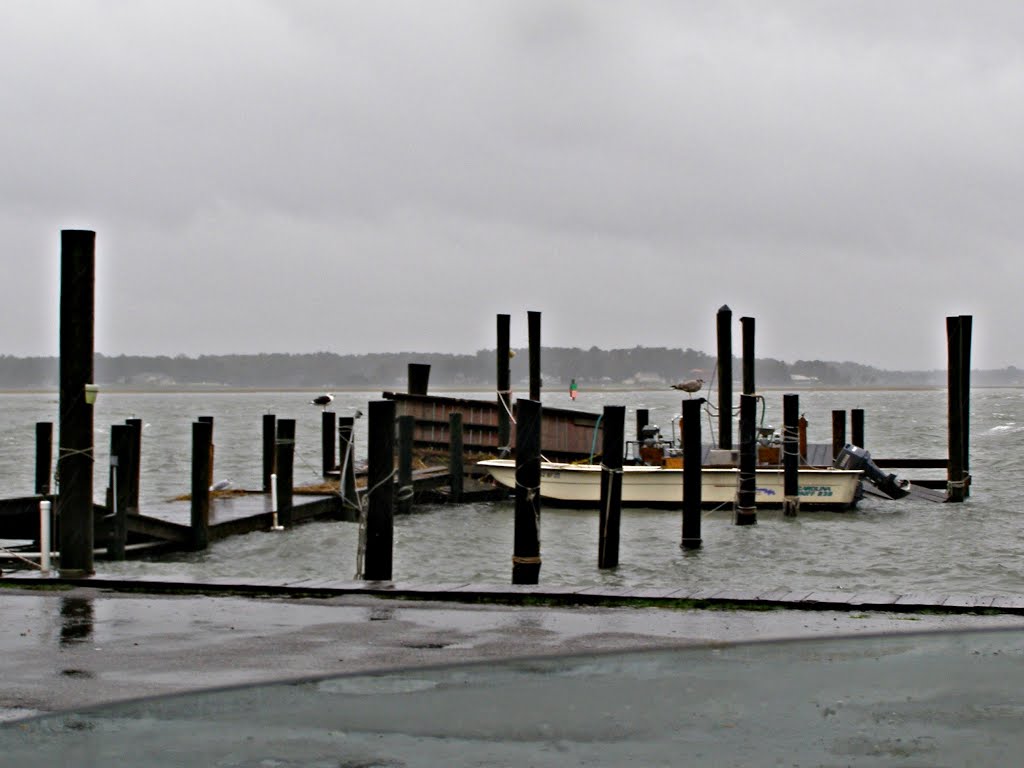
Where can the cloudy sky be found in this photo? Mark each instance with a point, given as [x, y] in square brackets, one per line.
[310, 175]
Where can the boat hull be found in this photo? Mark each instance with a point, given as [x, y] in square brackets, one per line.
[580, 485]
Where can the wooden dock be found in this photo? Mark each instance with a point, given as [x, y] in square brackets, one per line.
[231, 514]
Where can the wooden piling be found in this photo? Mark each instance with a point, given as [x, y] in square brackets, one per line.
[724, 321]
[613, 422]
[526, 560]
[285, 463]
[746, 511]
[692, 489]
[135, 469]
[379, 478]
[966, 323]
[202, 439]
[955, 475]
[347, 461]
[533, 330]
[790, 455]
[120, 485]
[749, 387]
[44, 456]
[456, 459]
[857, 427]
[269, 449]
[838, 432]
[504, 393]
[209, 420]
[403, 498]
[418, 378]
[75, 442]
[327, 430]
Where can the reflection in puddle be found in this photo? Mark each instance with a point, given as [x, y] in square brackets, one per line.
[75, 620]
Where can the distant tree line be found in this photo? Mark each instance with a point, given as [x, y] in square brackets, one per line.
[637, 367]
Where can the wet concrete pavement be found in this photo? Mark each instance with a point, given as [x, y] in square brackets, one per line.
[68, 648]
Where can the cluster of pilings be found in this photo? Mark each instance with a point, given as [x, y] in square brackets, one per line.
[74, 466]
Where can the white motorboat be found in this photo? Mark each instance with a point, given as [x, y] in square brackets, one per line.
[660, 486]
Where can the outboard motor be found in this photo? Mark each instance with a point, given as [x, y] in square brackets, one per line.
[854, 457]
[651, 445]
[650, 434]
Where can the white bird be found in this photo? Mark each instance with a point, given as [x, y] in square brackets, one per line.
[691, 386]
[221, 485]
[323, 400]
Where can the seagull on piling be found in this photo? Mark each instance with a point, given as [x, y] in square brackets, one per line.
[691, 386]
[323, 400]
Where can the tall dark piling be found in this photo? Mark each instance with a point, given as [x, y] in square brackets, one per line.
[966, 321]
[209, 420]
[75, 442]
[838, 432]
[44, 456]
[857, 427]
[456, 459]
[746, 511]
[790, 455]
[404, 496]
[958, 350]
[120, 472]
[135, 457]
[380, 516]
[533, 331]
[613, 422]
[504, 393]
[749, 387]
[202, 439]
[347, 462]
[269, 449]
[418, 378]
[526, 560]
[724, 322]
[327, 429]
[285, 462]
[692, 490]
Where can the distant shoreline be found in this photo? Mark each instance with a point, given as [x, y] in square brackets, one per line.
[199, 390]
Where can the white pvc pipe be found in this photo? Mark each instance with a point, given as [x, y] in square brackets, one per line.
[273, 503]
[44, 537]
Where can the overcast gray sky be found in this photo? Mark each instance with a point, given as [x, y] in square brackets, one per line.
[353, 177]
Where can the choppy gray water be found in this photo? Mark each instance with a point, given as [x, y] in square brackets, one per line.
[900, 546]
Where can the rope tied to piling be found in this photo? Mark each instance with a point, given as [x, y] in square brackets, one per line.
[526, 560]
[719, 508]
[16, 556]
[382, 482]
[404, 493]
[743, 476]
[503, 394]
[342, 475]
[67, 453]
[363, 514]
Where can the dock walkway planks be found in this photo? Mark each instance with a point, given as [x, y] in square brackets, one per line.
[667, 597]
